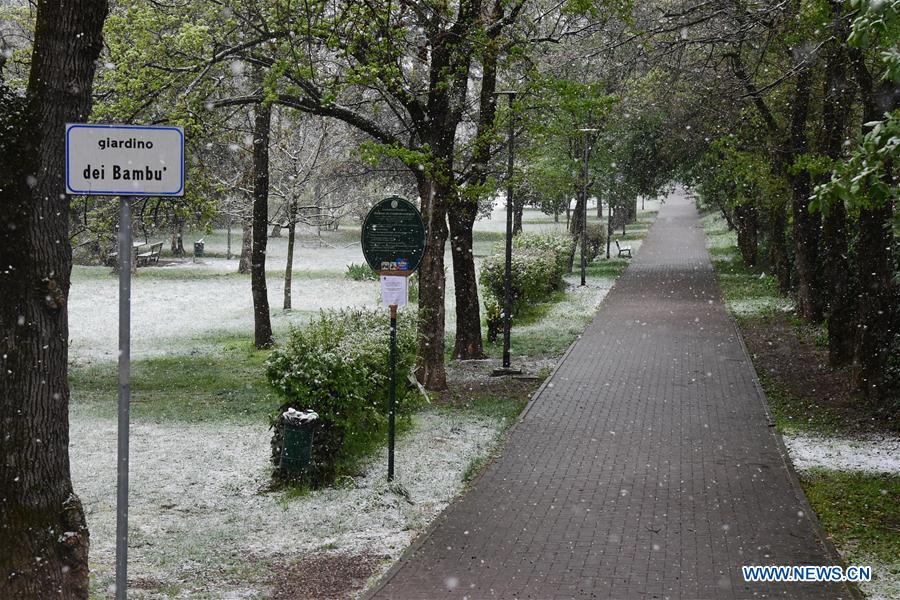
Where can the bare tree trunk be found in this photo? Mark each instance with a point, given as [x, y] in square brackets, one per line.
[778, 254]
[262, 325]
[246, 245]
[518, 208]
[228, 240]
[177, 240]
[288, 271]
[468, 343]
[875, 308]
[836, 104]
[43, 535]
[806, 224]
[575, 228]
[432, 286]
[747, 232]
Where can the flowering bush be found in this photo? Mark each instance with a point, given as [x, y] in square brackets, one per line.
[337, 365]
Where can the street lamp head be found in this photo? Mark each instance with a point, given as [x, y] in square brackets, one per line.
[505, 93]
[588, 129]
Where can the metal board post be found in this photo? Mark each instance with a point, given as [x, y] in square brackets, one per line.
[392, 394]
[125, 250]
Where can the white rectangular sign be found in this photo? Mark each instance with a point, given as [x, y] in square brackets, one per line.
[394, 290]
[119, 160]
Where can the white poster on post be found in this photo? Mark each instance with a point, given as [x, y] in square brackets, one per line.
[394, 290]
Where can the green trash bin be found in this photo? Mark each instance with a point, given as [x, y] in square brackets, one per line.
[297, 440]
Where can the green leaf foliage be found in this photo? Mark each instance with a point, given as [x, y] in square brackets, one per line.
[337, 365]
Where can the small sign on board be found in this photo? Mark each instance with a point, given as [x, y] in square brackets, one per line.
[394, 290]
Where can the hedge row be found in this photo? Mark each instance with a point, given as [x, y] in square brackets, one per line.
[337, 365]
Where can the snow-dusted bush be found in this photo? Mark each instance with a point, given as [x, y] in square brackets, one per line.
[539, 262]
[596, 239]
[559, 245]
[337, 365]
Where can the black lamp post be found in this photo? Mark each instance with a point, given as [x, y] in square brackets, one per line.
[506, 369]
[584, 197]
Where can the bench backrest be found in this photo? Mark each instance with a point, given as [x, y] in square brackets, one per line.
[156, 248]
[617, 244]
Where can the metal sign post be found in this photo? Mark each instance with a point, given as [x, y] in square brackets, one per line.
[507, 369]
[584, 199]
[125, 249]
[124, 161]
[393, 243]
[392, 395]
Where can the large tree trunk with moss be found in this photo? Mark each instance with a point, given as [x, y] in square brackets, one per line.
[262, 324]
[43, 535]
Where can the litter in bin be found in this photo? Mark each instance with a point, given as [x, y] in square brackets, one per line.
[299, 417]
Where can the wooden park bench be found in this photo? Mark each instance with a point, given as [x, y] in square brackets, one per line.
[151, 257]
[624, 251]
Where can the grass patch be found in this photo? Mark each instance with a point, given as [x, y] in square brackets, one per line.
[793, 414]
[614, 267]
[860, 510]
[505, 408]
[488, 236]
[202, 387]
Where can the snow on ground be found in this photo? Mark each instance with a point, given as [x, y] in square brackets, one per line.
[173, 316]
[182, 308]
[875, 454]
[200, 523]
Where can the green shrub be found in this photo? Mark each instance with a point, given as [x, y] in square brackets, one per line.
[337, 365]
[559, 245]
[493, 312]
[538, 265]
[360, 272]
[595, 236]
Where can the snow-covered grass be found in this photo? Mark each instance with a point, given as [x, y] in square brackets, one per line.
[177, 308]
[200, 524]
[874, 454]
[174, 316]
[854, 485]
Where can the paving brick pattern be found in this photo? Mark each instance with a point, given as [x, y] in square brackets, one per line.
[646, 468]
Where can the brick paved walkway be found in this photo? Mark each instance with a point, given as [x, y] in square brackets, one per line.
[645, 468]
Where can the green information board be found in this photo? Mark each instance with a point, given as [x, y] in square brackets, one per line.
[393, 236]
